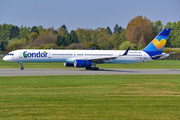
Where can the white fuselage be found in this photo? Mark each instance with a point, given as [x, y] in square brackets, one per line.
[35, 55]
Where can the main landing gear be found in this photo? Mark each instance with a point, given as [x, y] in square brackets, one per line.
[92, 68]
[22, 68]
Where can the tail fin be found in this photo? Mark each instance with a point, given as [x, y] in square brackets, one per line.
[156, 46]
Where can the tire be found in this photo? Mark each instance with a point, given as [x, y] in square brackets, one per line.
[87, 68]
[96, 68]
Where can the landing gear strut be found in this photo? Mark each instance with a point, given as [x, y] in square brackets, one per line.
[92, 68]
[22, 68]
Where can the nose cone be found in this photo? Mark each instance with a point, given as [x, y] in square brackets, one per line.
[5, 58]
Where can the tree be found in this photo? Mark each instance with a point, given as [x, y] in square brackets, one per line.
[88, 45]
[24, 31]
[5, 32]
[14, 45]
[103, 39]
[168, 25]
[14, 32]
[74, 37]
[157, 28]
[109, 30]
[122, 36]
[32, 36]
[127, 44]
[50, 46]
[139, 29]
[117, 39]
[64, 26]
[3, 44]
[34, 29]
[174, 34]
[85, 35]
[44, 39]
[40, 28]
[61, 31]
[117, 29]
[76, 46]
[68, 39]
[50, 30]
[71, 38]
[60, 41]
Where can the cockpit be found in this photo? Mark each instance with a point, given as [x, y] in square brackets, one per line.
[10, 54]
[9, 57]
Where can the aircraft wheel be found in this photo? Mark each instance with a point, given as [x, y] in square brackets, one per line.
[92, 68]
[88, 68]
[96, 68]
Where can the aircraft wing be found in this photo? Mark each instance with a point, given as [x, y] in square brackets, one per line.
[101, 59]
[98, 59]
[106, 58]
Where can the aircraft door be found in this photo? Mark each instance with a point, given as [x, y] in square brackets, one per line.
[20, 54]
[49, 54]
[144, 56]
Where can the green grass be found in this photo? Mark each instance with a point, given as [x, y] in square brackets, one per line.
[90, 97]
[157, 64]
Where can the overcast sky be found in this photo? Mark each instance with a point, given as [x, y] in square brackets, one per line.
[86, 13]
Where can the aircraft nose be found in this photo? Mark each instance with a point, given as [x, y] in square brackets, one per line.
[5, 58]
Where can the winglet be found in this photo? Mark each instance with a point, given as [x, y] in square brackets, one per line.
[126, 52]
[91, 48]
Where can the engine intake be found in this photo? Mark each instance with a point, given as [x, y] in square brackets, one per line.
[68, 64]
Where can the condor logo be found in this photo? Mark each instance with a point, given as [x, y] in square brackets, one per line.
[33, 54]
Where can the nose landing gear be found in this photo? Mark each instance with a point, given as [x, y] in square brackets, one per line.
[22, 68]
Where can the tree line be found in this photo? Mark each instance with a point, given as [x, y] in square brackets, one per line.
[139, 32]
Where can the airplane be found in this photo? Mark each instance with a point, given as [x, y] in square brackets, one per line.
[89, 58]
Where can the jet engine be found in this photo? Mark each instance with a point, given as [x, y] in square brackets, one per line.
[68, 64]
[82, 63]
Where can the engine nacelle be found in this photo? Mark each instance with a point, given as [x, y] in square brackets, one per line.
[68, 64]
[82, 63]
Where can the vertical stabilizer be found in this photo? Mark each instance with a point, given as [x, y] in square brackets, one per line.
[156, 46]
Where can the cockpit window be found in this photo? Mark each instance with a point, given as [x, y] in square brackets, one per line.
[10, 54]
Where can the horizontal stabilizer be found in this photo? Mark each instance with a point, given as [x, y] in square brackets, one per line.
[163, 54]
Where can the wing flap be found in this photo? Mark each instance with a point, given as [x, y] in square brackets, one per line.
[101, 59]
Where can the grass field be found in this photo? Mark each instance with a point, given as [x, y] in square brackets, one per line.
[157, 64]
[90, 97]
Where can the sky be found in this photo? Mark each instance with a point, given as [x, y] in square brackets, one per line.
[86, 13]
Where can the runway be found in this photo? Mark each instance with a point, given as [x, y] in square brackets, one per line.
[35, 72]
